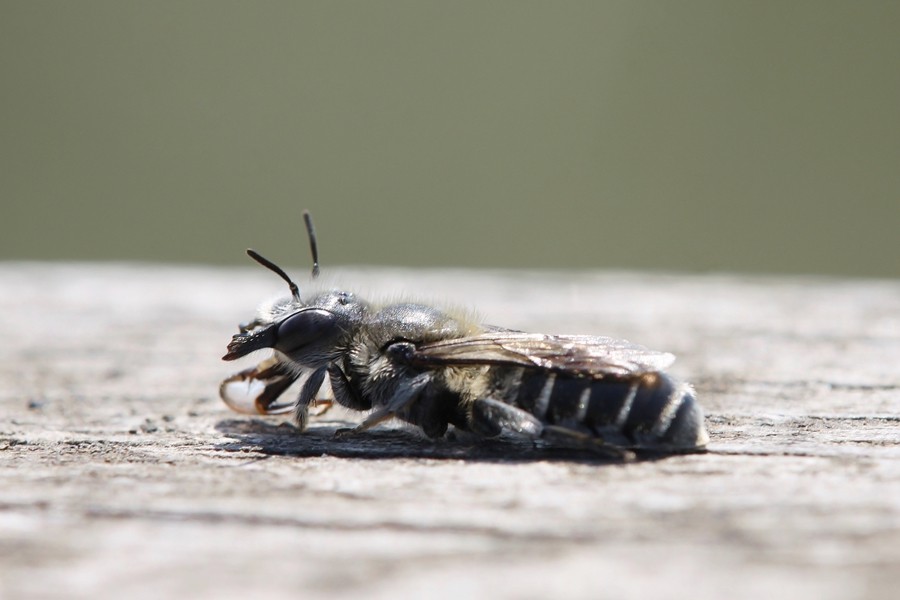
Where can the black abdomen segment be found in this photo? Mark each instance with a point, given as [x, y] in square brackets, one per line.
[649, 410]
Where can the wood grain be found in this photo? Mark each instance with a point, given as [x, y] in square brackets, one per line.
[123, 473]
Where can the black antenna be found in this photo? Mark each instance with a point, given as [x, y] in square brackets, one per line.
[295, 291]
[313, 247]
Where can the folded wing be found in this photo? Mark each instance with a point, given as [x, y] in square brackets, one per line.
[581, 355]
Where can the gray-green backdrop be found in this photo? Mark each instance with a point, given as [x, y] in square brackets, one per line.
[759, 136]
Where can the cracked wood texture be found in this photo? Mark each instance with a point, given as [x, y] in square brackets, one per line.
[124, 475]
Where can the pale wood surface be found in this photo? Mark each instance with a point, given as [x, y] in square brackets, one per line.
[123, 475]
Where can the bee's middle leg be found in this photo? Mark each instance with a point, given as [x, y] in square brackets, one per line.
[407, 393]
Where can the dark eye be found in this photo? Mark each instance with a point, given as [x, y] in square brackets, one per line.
[345, 297]
[303, 328]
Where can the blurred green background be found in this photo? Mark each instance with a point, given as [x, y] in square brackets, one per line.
[754, 136]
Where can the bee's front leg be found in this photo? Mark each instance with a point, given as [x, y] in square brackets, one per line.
[322, 407]
[307, 395]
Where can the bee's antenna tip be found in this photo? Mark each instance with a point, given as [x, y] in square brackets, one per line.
[313, 246]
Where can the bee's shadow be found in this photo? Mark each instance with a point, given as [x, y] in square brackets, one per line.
[283, 439]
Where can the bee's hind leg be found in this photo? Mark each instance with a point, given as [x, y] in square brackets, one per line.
[577, 439]
[489, 417]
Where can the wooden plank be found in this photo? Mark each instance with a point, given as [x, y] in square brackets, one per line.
[123, 474]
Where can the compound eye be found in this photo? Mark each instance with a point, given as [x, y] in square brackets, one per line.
[304, 327]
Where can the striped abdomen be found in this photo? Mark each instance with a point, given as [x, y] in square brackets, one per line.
[649, 410]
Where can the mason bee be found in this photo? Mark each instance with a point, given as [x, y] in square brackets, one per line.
[433, 369]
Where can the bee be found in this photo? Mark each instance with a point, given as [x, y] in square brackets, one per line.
[432, 369]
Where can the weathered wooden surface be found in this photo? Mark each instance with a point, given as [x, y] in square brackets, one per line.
[123, 475]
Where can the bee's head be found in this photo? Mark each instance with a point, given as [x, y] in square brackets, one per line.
[310, 333]
[306, 331]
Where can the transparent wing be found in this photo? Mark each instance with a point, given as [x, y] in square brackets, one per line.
[577, 354]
